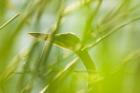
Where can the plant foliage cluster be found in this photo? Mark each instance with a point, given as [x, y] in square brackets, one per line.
[69, 46]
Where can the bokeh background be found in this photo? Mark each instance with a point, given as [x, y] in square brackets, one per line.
[29, 65]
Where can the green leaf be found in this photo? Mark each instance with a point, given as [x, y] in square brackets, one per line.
[65, 40]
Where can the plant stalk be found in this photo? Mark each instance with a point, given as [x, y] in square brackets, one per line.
[87, 61]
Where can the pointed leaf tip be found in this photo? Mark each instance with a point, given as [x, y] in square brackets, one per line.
[40, 36]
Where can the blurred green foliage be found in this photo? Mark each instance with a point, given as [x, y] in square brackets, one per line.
[100, 39]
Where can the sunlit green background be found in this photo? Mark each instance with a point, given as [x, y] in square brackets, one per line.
[110, 27]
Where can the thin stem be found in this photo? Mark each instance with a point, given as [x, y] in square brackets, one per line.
[9, 21]
[89, 64]
[111, 32]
